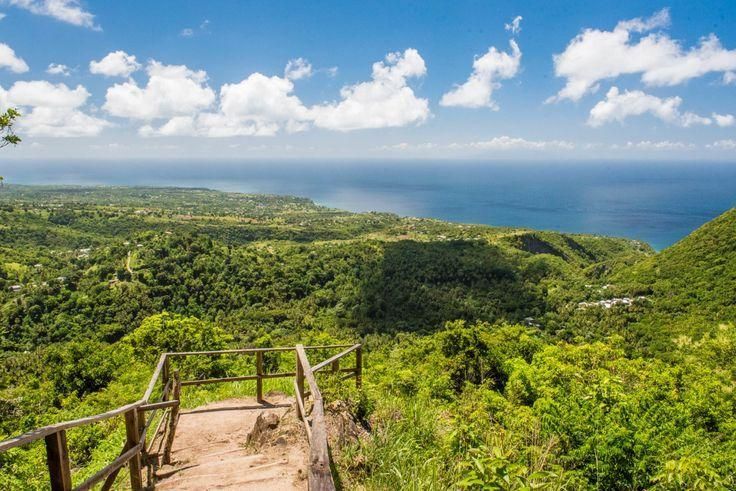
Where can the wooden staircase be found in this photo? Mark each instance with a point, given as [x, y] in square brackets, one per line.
[166, 454]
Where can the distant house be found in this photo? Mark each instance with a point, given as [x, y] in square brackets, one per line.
[15, 288]
[612, 302]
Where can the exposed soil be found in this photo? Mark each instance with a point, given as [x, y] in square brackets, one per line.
[212, 448]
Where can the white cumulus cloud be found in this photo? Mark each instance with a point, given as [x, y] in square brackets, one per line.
[257, 106]
[384, 101]
[52, 110]
[172, 90]
[10, 60]
[596, 55]
[43, 93]
[69, 11]
[58, 69]
[115, 64]
[724, 120]
[262, 105]
[477, 91]
[618, 106]
[297, 69]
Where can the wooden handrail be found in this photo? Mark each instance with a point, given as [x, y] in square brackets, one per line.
[110, 468]
[154, 377]
[302, 410]
[320, 475]
[251, 351]
[329, 361]
[44, 431]
[320, 478]
[308, 373]
[158, 405]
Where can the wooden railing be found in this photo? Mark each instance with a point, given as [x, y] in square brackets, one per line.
[140, 415]
[320, 475]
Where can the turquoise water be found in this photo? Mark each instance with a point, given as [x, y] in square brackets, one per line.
[655, 202]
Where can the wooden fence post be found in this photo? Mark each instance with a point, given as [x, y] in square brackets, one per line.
[141, 422]
[133, 438]
[174, 416]
[57, 456]
[300, 385]
[165, 377]
[336, 366]
[359, 367]
[259, 374]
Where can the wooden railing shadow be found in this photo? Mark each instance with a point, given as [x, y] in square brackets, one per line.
[140, 415]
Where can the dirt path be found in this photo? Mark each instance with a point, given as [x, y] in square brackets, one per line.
[127, 263]
[210, 450]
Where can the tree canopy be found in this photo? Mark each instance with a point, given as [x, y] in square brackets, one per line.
[7, 135]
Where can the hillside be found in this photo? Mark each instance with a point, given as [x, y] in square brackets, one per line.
[697, 275]
[495, 358]
[93, 262]
[691, 286]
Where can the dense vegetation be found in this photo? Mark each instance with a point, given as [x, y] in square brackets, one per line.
[497, 358]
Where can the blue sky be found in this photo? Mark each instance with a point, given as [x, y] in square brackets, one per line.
[644, 79]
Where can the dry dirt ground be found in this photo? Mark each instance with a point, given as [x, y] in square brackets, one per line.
[211, 448]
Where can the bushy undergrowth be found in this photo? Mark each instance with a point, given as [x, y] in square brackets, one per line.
[521, 412]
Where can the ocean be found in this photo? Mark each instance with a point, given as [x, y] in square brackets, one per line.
[656, 202]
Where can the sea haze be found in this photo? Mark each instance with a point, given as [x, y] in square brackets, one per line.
[655, 202]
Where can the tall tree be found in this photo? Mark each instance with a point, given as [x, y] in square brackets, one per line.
[7, 136]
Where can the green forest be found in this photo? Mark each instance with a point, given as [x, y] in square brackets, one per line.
[494, 358]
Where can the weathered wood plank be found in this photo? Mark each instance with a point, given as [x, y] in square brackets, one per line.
[320, 366]
[299, 385]
[154, 378]
[247, 351]
[133, 440]
[240, 351]
[57, 459]
[205, 381]
[259, 376]
[308, 373]
[39, 433]
[110, 469]
[359, 367]
[159, 405]
[302, 412]
[173, 419]
[279, 375]
[320, 476]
